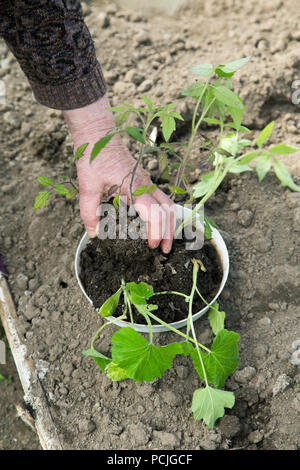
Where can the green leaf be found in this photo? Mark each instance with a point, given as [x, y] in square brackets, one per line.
[204, 70]
[101, 360]
[193, 90]
[248, 157]
[234, 65]
[238, 167]
[176, 115]
[203, 187]
[226, 96]
[79, 151]
[45, 181]
[135, 133]
[220, 72]
[115, 373]
[142, 361]
[61, 189]
[168, 127]
[236, 114]
[116, 201]
[283, 149]
[122, 118]
[72, 193]
[41, 199]
[100, 145]
[263, 166]
[139, 293]
[212, 121]
[238, 128]
[284, 176]
[209, 404]
[110, 305]
[148, 102]
[216, 318]
[177, 189]
[222, 360]
[265, 134]
[146, 188]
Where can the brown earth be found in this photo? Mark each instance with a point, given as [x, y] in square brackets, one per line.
[259, 222]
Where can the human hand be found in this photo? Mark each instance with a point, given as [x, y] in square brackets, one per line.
[113, 167]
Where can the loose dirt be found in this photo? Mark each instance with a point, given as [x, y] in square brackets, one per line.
[259, 222]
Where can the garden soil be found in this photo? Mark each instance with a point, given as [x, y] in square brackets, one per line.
[259, 223]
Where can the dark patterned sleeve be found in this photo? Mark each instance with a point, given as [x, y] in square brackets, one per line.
[54, 48]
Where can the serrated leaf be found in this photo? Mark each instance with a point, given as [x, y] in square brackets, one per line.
[216, 318]
[265, 134]
[101, 360]
[284, 176]
[110, 305]
[168, 127]
[135, 133]
[45, 181]
[263, 166]
[100, 145]
[41, 199]
[61, 189]
[176, 115]
[115, 373]
[283, 149]
[79, 151]
[222, 360]
[209, 404]
[204, 70]
[142, 361]
[226, 96]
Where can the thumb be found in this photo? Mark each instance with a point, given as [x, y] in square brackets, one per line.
[89, 201]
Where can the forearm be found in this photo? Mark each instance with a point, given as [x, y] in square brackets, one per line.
[55, 50]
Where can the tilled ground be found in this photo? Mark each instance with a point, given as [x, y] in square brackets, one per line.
[259, 222]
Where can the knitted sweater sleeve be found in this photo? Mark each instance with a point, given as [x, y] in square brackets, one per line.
[54, 48]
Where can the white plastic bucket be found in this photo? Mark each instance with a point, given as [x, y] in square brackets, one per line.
[219, 245]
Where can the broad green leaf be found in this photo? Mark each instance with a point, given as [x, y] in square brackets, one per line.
[283, 149]
[139, 293]
[238, 128]
[142, 361]
[204, 70]
[41, 199]
[162, 160]
[135, 133]
[110, 305]
[222, 360]
[248, 157]
[100, 145]
[236, 114]
[79, 151]
[209, 404]
[101, 360]
[205, 184]
[61, 189]
[265, 134]
[284, 176]
[226, 96]
[168, 127]
[263, 166]
[176, 115]
[220, 72]
[177, 189]
[115, 373]
[238, 167]
[216, 318]
[193, 90]
[45, 181]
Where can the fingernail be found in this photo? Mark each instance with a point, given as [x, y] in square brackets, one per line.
[92, 231]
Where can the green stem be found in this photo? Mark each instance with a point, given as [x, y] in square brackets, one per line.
[171, 292]
[122, 317]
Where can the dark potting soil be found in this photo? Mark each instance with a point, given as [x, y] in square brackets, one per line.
[105, 262]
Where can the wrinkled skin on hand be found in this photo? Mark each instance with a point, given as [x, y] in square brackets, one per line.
[113, 166]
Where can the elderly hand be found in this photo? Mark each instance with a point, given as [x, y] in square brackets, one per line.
[113, 166]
